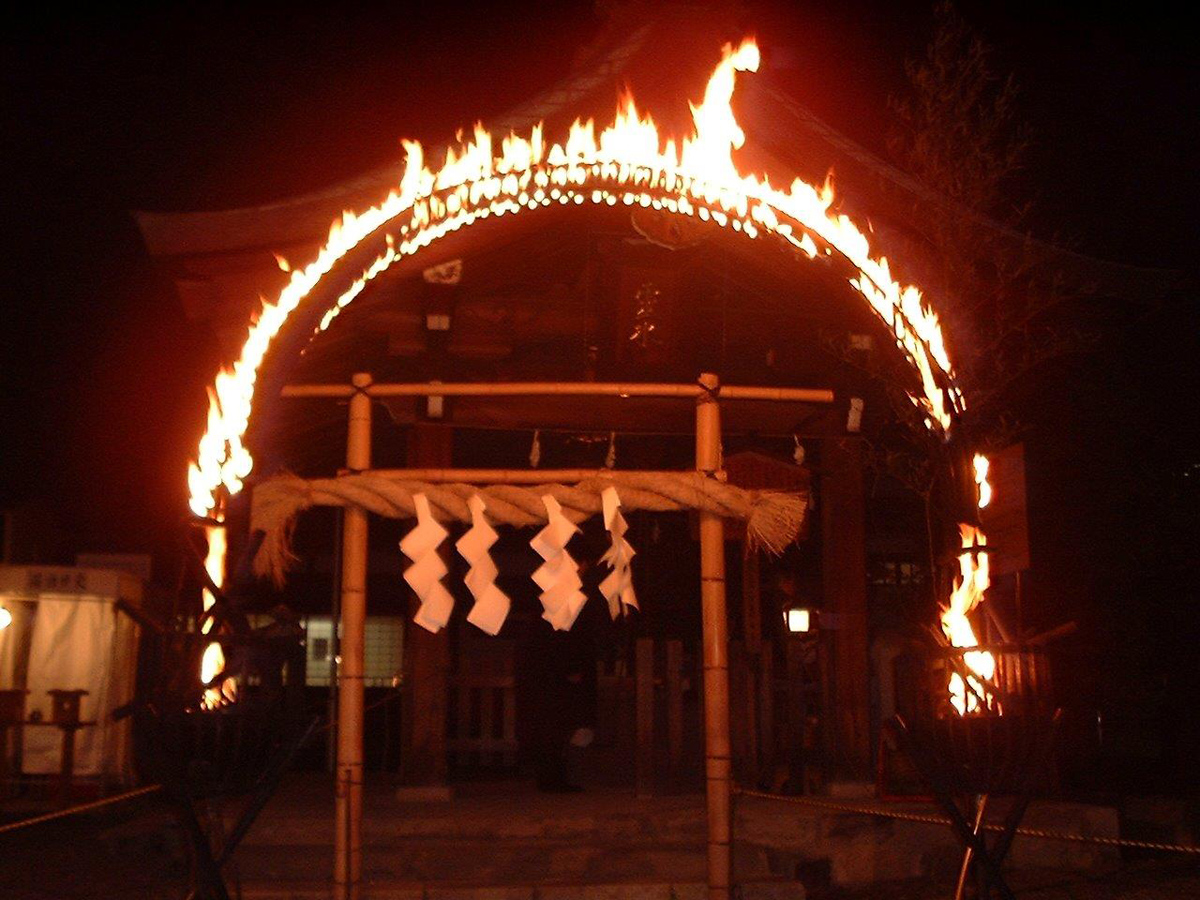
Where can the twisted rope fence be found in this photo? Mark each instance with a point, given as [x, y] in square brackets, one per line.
[934, 819]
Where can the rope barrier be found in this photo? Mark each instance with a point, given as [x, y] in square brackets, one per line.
[1042, 833]
[773, 518]
[82, 808]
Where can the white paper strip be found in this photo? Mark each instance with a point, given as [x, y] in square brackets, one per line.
[617, 587]
[425, 574]
[491, 604]
[558, 576]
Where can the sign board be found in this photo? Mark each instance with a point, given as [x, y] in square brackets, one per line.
[1005, 520]
[36, 581]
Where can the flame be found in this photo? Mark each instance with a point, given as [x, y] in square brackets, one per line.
[212, 662]
[629, 163]
[981, 480]
[968, 593]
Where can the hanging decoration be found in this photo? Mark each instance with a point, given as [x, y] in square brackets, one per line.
[425, 574]
[798, 454]
[558, 576]
[491, 604]
[535, 450]
[617, 587]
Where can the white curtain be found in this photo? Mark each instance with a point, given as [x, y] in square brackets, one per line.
[72, 648]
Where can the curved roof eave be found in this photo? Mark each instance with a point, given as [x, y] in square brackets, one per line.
[306, 218]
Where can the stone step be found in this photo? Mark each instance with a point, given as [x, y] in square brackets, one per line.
[684, 890]
[497, 862]
[595, 818]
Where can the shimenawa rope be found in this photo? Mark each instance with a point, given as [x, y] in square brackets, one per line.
[772, 518]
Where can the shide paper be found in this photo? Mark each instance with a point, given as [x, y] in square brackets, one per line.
[425, 574]
[491, 603]
[558, 576]
[617, 588]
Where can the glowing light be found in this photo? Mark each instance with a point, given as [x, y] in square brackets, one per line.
[5, 618]
[799, 621]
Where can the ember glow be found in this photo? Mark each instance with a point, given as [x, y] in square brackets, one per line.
[969, 593]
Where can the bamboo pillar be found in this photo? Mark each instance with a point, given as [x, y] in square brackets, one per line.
[716, 650]
[347, 871]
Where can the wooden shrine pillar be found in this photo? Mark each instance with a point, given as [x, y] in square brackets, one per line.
[347, 874]
[426, 655]
[844, 576]
[716, 651]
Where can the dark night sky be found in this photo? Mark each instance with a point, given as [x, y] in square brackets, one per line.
[214, 105]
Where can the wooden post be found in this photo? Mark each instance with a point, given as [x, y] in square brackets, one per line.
[752, 641]
[716, 649]
[674, 682]
[347, 871]
[844, 574]
[766, 709]
[740, 718]
[751, 602]
[423, 759]
[644, 690]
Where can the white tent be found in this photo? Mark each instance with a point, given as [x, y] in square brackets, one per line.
[67, 633]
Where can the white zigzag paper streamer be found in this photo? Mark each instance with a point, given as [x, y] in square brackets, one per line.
[425, 574]
[617, 587]
[491, 603]
[558, 576]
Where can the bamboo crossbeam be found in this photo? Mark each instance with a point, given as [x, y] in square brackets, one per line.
[562, 388]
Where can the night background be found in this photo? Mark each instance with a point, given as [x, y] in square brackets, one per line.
[215, 106]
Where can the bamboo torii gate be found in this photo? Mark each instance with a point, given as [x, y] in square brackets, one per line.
[706, 393]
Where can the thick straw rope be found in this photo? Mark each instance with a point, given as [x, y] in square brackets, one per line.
[772, 518]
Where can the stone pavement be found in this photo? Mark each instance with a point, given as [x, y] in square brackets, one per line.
[506, 841]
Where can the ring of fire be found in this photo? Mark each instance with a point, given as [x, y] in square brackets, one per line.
[629, 164]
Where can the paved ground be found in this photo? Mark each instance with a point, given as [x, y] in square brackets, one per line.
[137, 851]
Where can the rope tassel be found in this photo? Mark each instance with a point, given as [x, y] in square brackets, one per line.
[491, 604]
[617, 587]
[425, 574]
